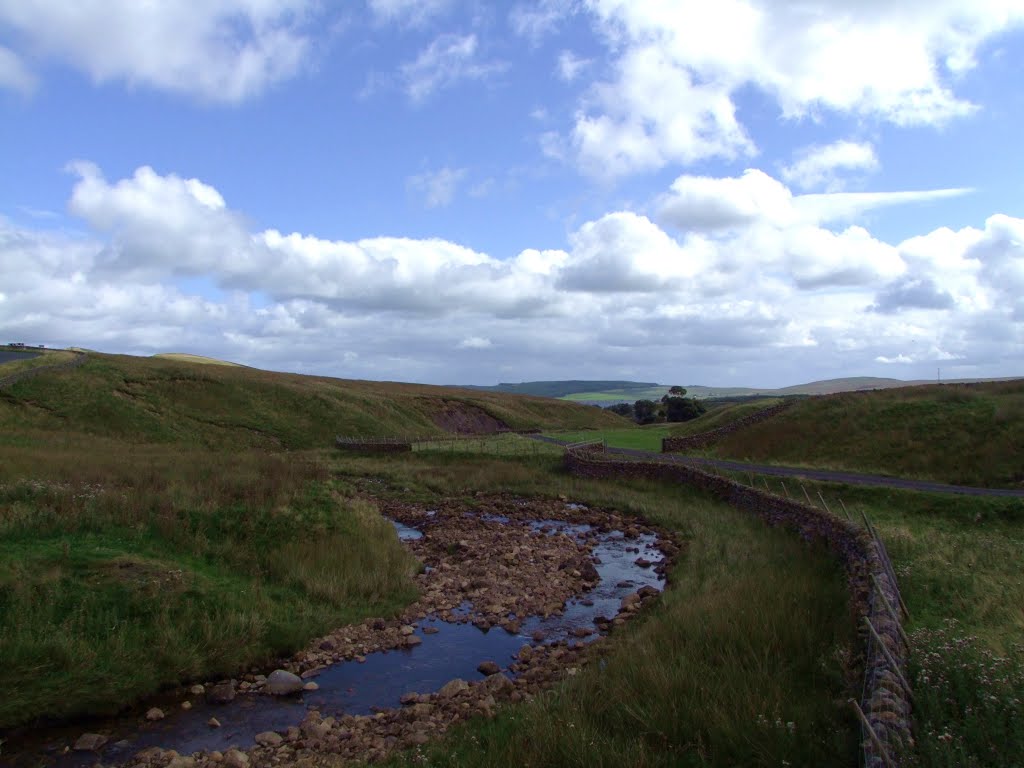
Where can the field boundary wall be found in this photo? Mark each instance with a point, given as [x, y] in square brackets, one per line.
[704, 439]
[874, 594]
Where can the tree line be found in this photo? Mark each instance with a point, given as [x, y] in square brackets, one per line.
[673, 407]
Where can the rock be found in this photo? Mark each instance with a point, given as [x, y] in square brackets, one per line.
[90, 742]
[488, 668]
[418, 738]
[582, 631]
[412, 641]
[314, 730]
[182, 762]
[498, 684]
[311, 686]
[328, 645]
[379, 624]
[407, 630]
[409, 698]
[525, 653]
[643, 562]
[197, 690]
[430, 630]
[235, 759]
[648, 591]
[213, 722]
[268, 739]
[221, 693]
[186, 705]
[629, 601]
[155, 714]
[453, 688]
[282, 683]
[538, 636]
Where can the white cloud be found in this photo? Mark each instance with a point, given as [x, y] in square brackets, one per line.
[448, 60]
[818, 166]
[220, 51]
[475, 342]
[570, 65]
[896, 62]
[775, 291]
[537, 20]
[437, 187]
[13, 72]
[409, 12]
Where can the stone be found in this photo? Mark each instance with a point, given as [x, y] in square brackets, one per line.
[409, 698]
[155, 714]
[488, 668]
[182, 762]
[453, 688]
[430, 630]
[90, 742]
[311, 686]
[268, 739]
[213, 722]
[235, 759]
[643, 562]
[407, 630]
[197, 690]
[412, 641]
[221, 693]
[186, 705]
[498, 684]
[283, 683]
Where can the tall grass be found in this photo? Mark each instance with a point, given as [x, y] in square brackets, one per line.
[123, 571]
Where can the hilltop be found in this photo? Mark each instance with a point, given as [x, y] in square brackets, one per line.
[161, 400]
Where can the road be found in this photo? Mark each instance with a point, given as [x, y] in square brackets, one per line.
[823, 475]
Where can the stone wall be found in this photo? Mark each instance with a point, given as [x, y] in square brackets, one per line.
[886, 697]
[28, 373]
[371, 445]
[704, 439]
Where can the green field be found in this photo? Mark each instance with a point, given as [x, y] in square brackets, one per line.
[960, 434]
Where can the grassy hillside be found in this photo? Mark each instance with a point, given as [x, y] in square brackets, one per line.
[153, 400]
[965, 434]
[185, 357]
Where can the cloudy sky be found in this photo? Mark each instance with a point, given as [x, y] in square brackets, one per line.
[725, 193]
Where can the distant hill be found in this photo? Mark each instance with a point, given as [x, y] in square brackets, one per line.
[609, 392]
[185, 357]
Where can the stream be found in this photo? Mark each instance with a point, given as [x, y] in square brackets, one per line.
[449, 650]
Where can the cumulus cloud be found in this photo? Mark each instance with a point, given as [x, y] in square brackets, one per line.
[820, 166]
[895, 62]
[13, 72]
[448, 60]
[437, 187]
[775, 289]
[224, 51]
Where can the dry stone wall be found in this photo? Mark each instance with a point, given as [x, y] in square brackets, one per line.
[704, 439]
[28, 373]
[886, 698]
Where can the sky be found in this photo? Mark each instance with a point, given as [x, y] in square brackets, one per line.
[743, 192]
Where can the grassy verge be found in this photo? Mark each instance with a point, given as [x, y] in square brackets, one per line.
[741, 663]
[958, 561]
[124, 571]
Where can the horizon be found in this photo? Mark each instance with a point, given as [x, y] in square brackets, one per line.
[450, 190]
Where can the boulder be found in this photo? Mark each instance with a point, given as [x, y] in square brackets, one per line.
[90, 742]
[453, 688]
[155, 714]
[221, 693]
[235, 759]
[268, 739]
[283, 683]
[488, 668]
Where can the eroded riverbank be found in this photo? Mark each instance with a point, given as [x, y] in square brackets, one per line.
[512, 591]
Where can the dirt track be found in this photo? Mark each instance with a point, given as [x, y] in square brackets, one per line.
[824, 475]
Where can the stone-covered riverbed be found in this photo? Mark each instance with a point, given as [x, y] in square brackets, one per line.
[511, 593]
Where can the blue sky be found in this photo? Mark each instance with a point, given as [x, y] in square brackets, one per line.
[456, 191]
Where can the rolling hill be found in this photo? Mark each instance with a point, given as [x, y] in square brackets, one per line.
[160, 400]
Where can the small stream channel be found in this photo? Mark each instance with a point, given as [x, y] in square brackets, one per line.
[351, 687]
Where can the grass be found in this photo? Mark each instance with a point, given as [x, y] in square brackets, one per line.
[741, 663]
[495, 445]
[958, 561]
[960, 434]
[185, 357]
[649, 437]
[122, 571]
[152, 400]
[39, 358]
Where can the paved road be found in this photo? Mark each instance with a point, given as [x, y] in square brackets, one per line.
[825, 475]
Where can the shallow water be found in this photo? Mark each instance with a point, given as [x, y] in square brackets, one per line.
[454, 651]
[6, 356]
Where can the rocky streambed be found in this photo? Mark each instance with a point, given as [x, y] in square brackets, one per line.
[512, 593]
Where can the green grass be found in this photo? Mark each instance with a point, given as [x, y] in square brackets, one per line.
[122, 572]
[741, 663]
[961, 434]
[153, 400]
[958, 561]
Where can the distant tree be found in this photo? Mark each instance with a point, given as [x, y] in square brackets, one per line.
[622, 409]
[677, 391]
[678, 407]
[645, 411]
